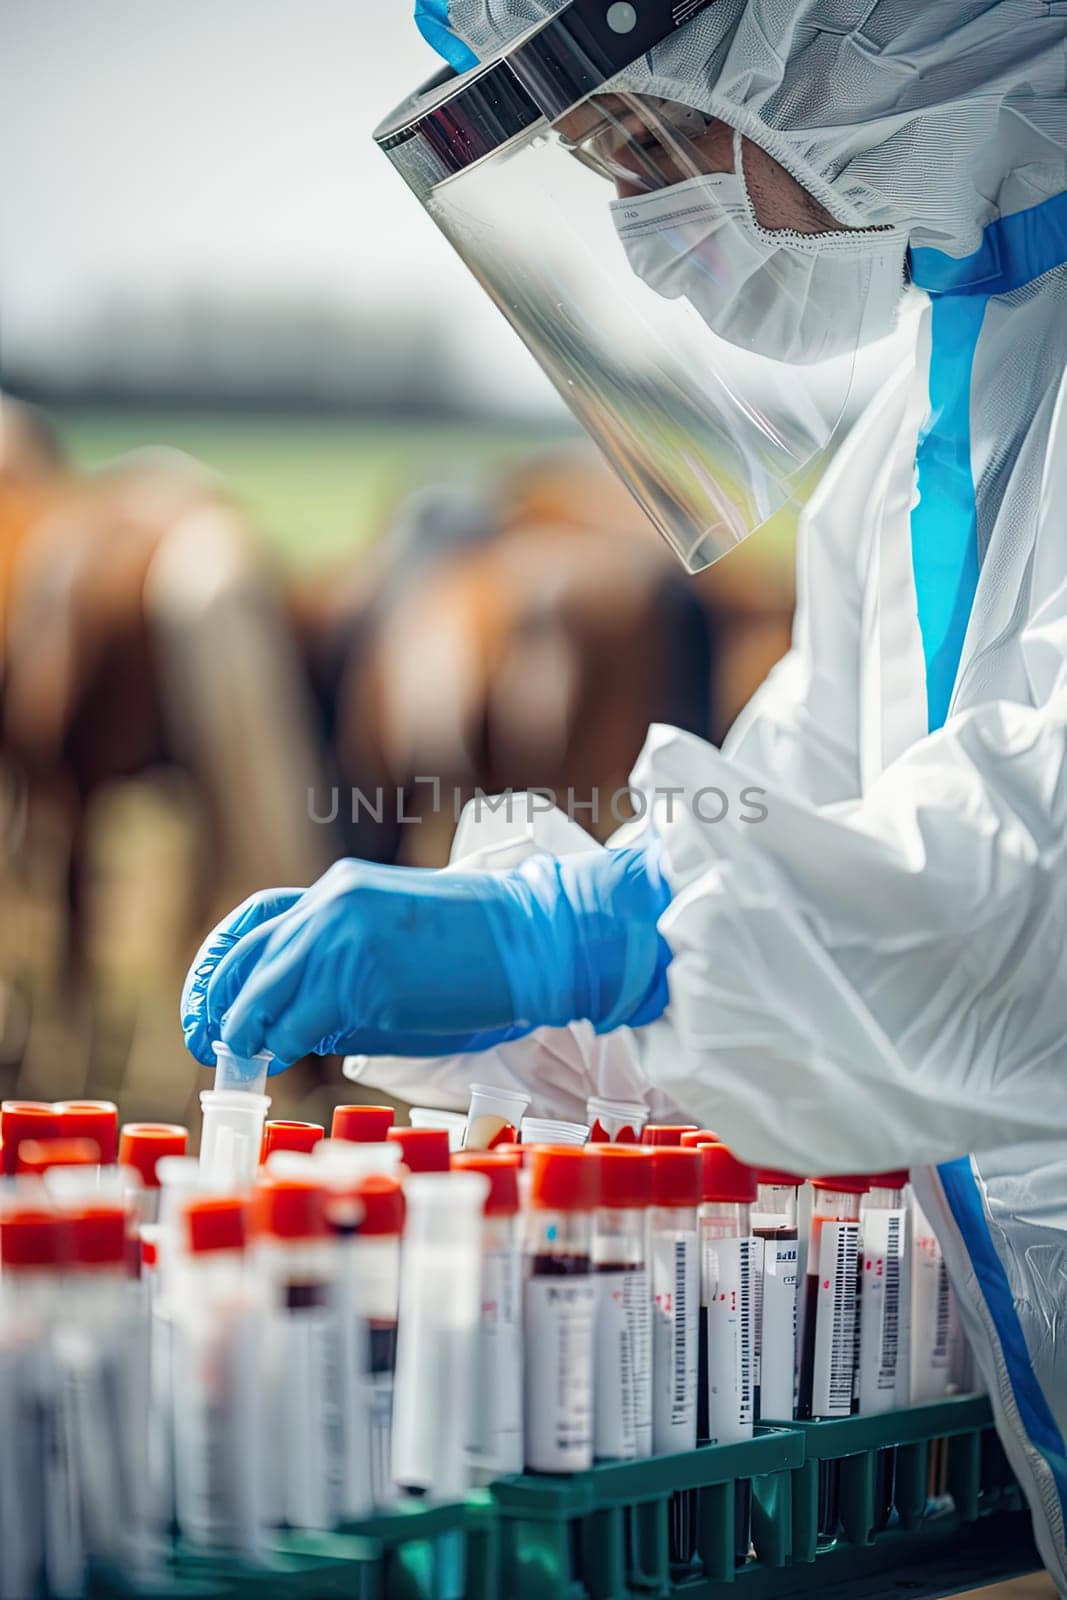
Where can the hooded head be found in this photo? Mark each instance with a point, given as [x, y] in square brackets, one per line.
[937, 117]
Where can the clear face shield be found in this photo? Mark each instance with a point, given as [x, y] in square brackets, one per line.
[709, 358]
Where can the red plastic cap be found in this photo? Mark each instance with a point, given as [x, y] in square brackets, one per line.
[290, 1208]
[677, 1176]
[563, 1178]
[382, 1199]
[218, 1223]
[503, 1174]
[624, 1175]
[724, 1177]
[425, 1149]
[775, 1178]
[303, 1136]
[92, 1119]
[890, 1180]
[31, 1239]
[668, 1133]
[98, 1236]
[142, 1144]
[25, 1119]
[694, 1136]
[519, 1151]
[849, 1183]
[41, 1155]
[362, 1124]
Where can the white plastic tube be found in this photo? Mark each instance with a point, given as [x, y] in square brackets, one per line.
[440, 1310]
[619, 1121]
[234, 1113]
[883, 1380]
[491, 1112]
[544, 1130]
[454, 1123]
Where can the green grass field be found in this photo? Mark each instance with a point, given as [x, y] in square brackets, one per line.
[318, 489]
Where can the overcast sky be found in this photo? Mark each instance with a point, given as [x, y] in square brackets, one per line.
[159, 146]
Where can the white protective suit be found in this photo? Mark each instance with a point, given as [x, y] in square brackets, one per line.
[876, 974]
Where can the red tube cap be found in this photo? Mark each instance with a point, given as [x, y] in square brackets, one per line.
[362, 1124]
[92, 1119]
[519, 1151]
[303, 1136]
[776, 1178]
[289, 1208]
[216, 1223]
[562, 1178]
[41, 1155]
[849, 1183]
[26, 1119]
[890, 1180]
[694, 1136]
[98, 1236]
[677, 1176]
[32, 1239]
[724, 1177]
[624, 1175]
[425, 1149]
[666, 1132]
[382, 1199]
[503, 1174]
[143, 1144]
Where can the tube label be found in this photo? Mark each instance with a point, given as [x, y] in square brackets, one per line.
[930, 1315]
[496, 1437]
[728, 1292]
[621, 1365]
[835, 1318]
[777, 1325]
[559, 1373]
[883, 1311]
[675, 1340]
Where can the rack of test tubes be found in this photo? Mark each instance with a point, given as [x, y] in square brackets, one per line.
[485, 1354]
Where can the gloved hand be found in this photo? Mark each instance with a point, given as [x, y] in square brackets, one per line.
[377, 960]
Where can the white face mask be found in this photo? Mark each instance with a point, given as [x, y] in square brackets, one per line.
[796, 297]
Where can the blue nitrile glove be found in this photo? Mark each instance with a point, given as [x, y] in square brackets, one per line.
[376, 960]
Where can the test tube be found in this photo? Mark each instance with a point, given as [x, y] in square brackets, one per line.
[362, 1124]
[882, 1379]
[217, 1381]
[25, 1119]
[774, 1224]
[41, 1546]
[828, 1350]
[493, 1116]
[558, 1309]
[344, 1214]
[496, 1419]
[615, 1121]
[234, 1113]
[666, 1133]
[92, 1119]
[142, 1145]
[285, 1135]
[453, 1123]
[930, 1313]
[675, 1257]
[298, 1261]
[440, 1306]
[377, 1269]
[545, 1130]
[622, 1347]
[728, 1189]
[424, 1149]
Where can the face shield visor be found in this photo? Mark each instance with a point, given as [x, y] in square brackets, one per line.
[709, 358]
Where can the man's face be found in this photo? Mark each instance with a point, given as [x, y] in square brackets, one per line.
[643, 143]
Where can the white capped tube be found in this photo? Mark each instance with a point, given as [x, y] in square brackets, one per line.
[234, 1111]
[454, 1123]
[883, 1381]
[544, 1130]
[931, 1313]
[440, 1307]
[618, 1121]
[492, 1113]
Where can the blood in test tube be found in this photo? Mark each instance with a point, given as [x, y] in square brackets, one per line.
[559, 1300]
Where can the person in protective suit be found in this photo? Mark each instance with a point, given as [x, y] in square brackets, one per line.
[867, 967]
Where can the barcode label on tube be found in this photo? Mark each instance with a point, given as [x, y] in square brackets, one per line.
[675, 1263]
[835, 1320]
[727, 1268]
[929, 1315]
[778, 1321]
[883, 1277]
